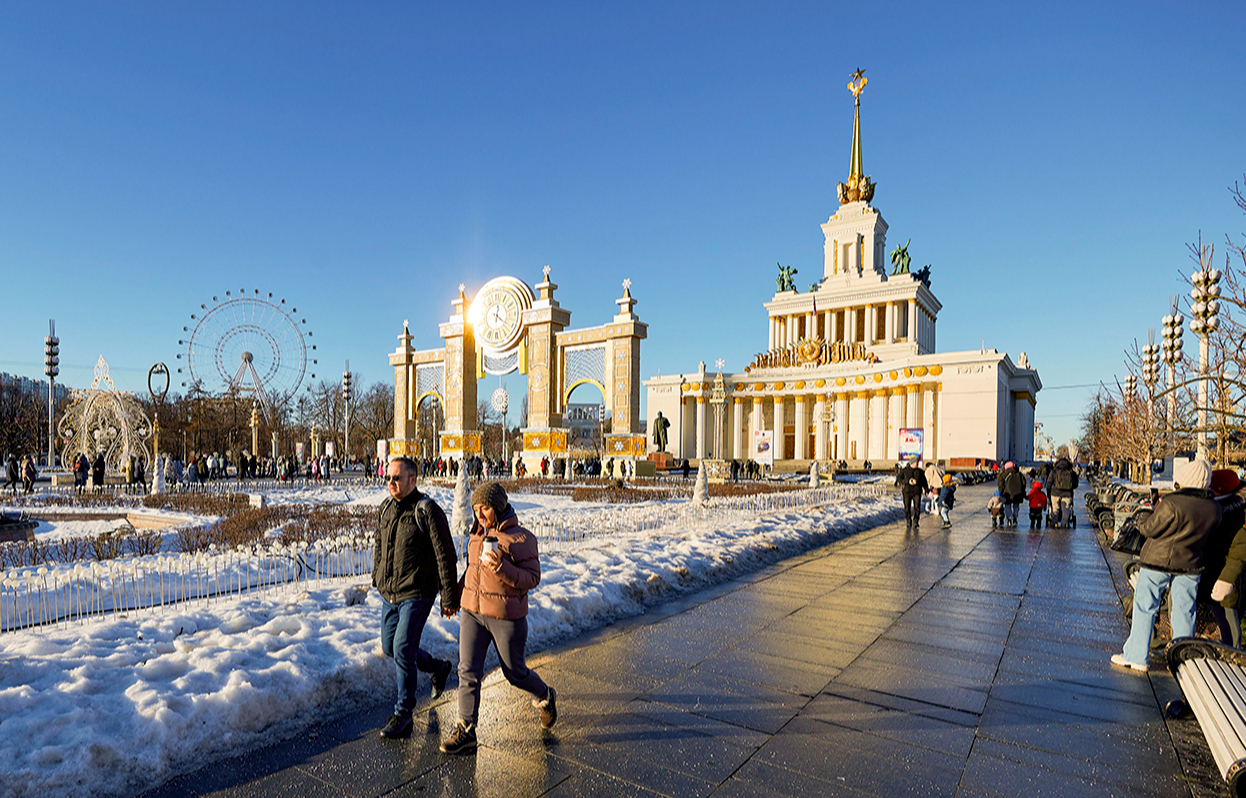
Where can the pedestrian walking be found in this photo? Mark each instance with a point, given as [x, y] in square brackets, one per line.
[1038, 503]
[29, 473]
[414, 558]
[1061, 483]
[995, 506]
[947, 499]
[503, 564]
[12, 473]
[1012, 490]
[912, 485]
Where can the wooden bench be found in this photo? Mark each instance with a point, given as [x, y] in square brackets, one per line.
[1212, 678]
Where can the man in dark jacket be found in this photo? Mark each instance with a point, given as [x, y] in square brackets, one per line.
[913, 485]
[414, 558]
[1012, 490]
[1171, 557]
[1061, 483]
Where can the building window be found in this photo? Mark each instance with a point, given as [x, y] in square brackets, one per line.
[880, 322]
[902, 322]
[860, 325]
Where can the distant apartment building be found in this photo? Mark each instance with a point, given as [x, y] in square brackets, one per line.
[33, 387]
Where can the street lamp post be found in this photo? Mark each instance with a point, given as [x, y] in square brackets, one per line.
[51, 367]
[347, 393]
[1206, 312]
[1172, 354]
[1150, 375]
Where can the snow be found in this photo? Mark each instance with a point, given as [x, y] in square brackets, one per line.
[117, 706]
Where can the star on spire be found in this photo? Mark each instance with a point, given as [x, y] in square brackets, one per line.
[545, 271]
[719, 363]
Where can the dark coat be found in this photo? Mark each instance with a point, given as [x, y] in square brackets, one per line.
[1225, 549]
[1177, 531]
[1011, 485]
[414, 555]
[1062, 466]
[11, 470]
[912, 481]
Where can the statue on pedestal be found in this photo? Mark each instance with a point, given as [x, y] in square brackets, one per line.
[660, 426]
[784, 280]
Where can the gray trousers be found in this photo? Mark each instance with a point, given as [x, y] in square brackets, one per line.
[476, 633]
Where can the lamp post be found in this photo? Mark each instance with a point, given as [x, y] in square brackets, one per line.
[1172, 356]
[1206, 311]
[1150, 375]
[51, 367]
[348, 391]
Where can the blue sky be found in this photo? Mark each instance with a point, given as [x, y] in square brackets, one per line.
[1050, 161]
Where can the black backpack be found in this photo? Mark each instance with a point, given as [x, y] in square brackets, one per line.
[1063, 479]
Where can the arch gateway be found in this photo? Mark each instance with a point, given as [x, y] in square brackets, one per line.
[508, 327]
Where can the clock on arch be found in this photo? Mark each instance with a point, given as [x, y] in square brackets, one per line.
[496, 314]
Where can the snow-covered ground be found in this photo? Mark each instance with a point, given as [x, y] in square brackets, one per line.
[114, 707]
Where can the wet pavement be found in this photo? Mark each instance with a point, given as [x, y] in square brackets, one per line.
[967, 662]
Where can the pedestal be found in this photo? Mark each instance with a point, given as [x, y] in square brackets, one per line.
[717, 471]
[544, 442]
[460, 445]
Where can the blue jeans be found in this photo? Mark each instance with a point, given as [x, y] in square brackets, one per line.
[402, 624]
[1148, 596]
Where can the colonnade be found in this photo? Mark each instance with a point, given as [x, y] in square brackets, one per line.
[861, 424]
[900, 321]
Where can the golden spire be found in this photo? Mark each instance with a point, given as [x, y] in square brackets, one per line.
[859, 187]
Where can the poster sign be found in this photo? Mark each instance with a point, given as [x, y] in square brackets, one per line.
[329, 449]
[298, 451]
[382, 450]
[911, 444]
[763, 447]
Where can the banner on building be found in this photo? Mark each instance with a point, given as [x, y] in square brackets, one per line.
[329, 449]
[763, 447]
[911, 444]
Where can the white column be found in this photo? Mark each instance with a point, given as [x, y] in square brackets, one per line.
[841, 426]
[890, 335]
[869, 324]
[910, 406]
[829, 325]
[755, 423]
[780, 452]
[819, 431]
[928, 423]
[802, 428]
[850, 328]
[913, 320]
[737, 428]
[702, 452]
[793, 334]
[878, 425]
[771, 334]
[858, 424]
[895, 420]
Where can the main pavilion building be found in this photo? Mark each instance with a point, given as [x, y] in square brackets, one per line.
[850, 370]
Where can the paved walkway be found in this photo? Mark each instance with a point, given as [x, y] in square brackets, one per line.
[961, 663]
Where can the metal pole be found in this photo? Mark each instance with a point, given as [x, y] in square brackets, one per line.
[1204, 350]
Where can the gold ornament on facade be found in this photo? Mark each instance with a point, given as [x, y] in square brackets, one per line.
[811, 352]
[860, 379]
[760, 386]
[778, 386]
[799, 384]
[936, 370]
[840, 381]
[892, 375]
[878, 377]
[920, 371]
[739, 386]
[819, 383]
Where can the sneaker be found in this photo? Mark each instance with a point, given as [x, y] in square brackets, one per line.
[548, 707]
[398, 725]
[440, 674]
[1119, 659]
[461, 741]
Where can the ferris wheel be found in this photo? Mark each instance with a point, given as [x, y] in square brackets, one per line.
[248, 345]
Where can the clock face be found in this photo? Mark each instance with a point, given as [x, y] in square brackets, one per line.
[496, 313]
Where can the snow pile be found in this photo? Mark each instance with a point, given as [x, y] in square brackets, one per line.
[119, 706]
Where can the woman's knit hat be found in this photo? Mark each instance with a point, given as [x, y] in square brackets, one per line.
[1224, 481]
[947, 479]
[1192, 474]
[490, 494]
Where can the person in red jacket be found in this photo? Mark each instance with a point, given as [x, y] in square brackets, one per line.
[1038, 503]
[494, 603]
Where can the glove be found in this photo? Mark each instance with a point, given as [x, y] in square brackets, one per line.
[1221, 590]
[1133, 580]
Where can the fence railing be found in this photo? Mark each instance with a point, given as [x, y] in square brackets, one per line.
[73, 593]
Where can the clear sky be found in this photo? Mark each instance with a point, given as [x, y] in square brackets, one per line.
[1049, 160]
